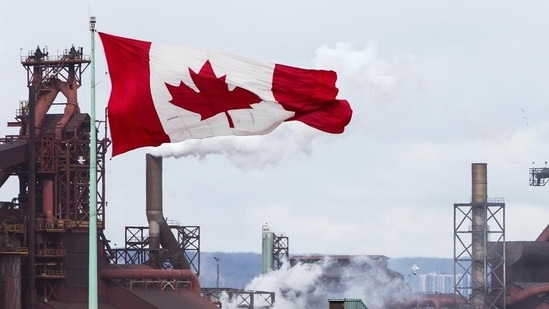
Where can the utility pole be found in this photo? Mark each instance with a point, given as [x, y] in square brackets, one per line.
[217, 280]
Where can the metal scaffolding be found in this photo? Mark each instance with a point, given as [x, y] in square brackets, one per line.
[136, 249]
[281, 251]
[490, 285]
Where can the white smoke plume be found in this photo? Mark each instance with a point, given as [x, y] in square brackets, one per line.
[365, 71]
[247, 152]
[310, 286]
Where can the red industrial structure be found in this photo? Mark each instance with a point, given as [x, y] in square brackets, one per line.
[45, 227]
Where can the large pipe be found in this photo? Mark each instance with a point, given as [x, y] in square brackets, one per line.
[532, 291]
[43, 104]
[478, 235]
[159, 231]
[31, 260]
[437, 301]
[45, 101]
[153, 274]
[47, 199]
[69, 90]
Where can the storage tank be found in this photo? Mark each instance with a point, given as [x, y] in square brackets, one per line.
[267, 250]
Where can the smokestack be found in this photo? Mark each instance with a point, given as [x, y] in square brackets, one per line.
[479, 232]
[47, 199]
[153, 176]
[480, 186]
[159, 231]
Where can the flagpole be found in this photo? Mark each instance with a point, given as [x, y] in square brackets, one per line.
[92, 279]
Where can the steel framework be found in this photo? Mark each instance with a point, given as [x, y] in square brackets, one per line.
[492, 259]
[241, 298]
[136, 249]
[57, 168]
[539, 176]
[281, 252]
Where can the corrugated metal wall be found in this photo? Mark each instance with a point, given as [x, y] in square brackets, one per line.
[76, 261]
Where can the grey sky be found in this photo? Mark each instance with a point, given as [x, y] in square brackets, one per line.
[435, 86]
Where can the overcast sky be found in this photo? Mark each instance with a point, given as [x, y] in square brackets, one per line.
[435, 86]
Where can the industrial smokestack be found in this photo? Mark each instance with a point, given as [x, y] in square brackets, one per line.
[153, 177]
[159, 231]
[47, 200]
[480, 183]
[479, 233]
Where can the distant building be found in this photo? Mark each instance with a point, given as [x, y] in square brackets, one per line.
[438, 283]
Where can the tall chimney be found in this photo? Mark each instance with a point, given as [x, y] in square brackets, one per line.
[479, 233]
[153, 176]
[159, 230]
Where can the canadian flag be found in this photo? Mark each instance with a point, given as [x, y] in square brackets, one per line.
[165, 93]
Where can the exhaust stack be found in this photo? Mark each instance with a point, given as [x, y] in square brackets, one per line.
[159, 231]
[479, 232]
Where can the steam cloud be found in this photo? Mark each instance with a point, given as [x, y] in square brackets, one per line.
[305, 286]
[245, 152]
[364, 70]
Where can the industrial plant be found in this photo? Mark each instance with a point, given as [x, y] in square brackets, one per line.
[46, 226]
[44, 255]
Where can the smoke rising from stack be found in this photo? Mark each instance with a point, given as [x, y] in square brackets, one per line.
[248, 152]
[303, 286]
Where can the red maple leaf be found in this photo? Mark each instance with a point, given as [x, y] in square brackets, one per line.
[214, 96]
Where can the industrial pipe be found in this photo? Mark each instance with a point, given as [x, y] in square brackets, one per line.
[540, 289]
[478, 235]
[153, 274]
[159, 231]
[69, 90]
[47, 199]
[153, 177]
[43, 104]
[435, 300]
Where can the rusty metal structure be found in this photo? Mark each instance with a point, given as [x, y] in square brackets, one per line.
[45, 226]
[137, 250]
